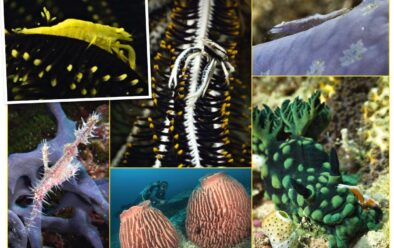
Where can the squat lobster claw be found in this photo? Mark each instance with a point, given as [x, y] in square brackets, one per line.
[214, 53]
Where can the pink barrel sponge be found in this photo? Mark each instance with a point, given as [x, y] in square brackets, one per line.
[143, 226]
[218, 212]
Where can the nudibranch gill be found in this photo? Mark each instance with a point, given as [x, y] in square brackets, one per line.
[301, 178]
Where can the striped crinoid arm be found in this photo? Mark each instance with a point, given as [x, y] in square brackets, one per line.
[200, 106]
[90, 54]
[137, 148]
[48, 66]
[196, 128]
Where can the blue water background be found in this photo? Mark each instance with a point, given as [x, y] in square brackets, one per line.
[126, 184]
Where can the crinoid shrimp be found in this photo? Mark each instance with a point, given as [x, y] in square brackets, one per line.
[111, 39]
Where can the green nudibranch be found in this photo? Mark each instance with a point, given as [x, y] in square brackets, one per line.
[301, 178]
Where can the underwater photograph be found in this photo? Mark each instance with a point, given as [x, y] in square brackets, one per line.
[173, 208]
[199, 114]
[327, 37]
[321, 162]
[58, 188]
[76, 49]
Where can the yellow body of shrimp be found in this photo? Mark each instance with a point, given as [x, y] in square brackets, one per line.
[103, 36]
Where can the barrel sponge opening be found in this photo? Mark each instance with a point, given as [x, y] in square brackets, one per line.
[211, 179]
[143, 226]
[218, 212]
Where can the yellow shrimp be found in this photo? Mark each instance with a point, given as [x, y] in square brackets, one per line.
[103, 36]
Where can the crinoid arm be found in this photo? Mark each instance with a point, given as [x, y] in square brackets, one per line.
[299, 116]
[198, 115]
[71, 58]
[47, 67]
[266, 127]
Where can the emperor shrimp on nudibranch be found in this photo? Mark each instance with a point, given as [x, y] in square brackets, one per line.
[302, 179]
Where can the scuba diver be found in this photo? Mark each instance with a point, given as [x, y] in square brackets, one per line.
[155, 192]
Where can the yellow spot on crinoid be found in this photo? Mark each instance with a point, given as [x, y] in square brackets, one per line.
[41, 74]
[93, 92]
[53, 82]
[94, 69]
[122, 77]
[26, 56]
[14, 53]
[37, 62]
[48, 68]
[73, 86]
[84, 92]
[47, 15]
[16, 78]
[69, 67]
[134, 82]
[24, 78]
[106, 78]
[79, 77]
[96, 17]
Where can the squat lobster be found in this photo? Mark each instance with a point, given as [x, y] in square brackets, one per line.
[108, 38]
